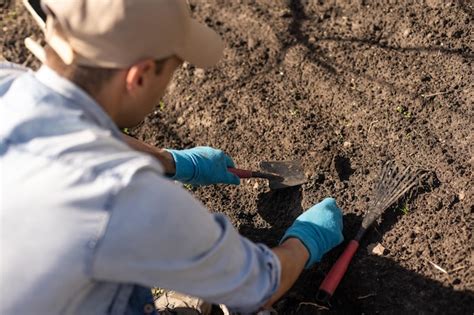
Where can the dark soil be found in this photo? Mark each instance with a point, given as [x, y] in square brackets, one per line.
[343, 86]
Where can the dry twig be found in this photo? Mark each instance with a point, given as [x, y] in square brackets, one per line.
[436, 266]
[434, 94]
[366, 296]
[319, 307]
[458, 268]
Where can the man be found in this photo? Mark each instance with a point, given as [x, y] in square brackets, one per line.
[89, 224]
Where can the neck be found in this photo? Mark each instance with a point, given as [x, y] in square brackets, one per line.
[108, 98]
[107, 93]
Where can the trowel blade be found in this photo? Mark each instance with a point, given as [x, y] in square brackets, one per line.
[290, 173]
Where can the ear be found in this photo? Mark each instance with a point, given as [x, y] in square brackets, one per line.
[137, 75]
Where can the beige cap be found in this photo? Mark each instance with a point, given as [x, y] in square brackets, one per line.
[119, 33]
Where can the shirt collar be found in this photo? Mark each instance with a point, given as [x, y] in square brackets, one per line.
[69, 90]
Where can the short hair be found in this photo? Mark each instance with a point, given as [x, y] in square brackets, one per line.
[91, 79]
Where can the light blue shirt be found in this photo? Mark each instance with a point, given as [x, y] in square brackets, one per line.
[85, 219]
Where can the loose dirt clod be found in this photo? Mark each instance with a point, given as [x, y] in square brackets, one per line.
[376, 249]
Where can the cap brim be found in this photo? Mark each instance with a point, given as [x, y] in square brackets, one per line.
[203, 47]
[55, 39]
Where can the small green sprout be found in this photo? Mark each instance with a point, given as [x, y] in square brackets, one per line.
[162, 105]
[404, 111]
[404, 209]
[12, 14]
[340, 139]
[126, 131]
[294, 112]
[188, 186]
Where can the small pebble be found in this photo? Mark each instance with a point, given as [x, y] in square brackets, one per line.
[199, 73]
[251, 43]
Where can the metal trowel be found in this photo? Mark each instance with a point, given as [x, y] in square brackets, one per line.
[280, 174]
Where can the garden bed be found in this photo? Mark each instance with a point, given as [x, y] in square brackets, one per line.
[343, 86]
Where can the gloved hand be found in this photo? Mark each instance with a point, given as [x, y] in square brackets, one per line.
[203, 166]
[319, 228]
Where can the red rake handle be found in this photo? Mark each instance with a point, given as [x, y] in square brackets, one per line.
[240, 172]
[334, 277]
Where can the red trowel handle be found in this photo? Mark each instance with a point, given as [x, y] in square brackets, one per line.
[240, 172]
[336, 273]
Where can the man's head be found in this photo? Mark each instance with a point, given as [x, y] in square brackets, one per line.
[128, 94]
[124, 52]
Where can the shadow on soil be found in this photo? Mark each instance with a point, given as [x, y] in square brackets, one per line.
[298, 15]
[317, 57]
[367, 275]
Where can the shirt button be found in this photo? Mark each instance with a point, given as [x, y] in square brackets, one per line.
[148, 309]
[91, 244]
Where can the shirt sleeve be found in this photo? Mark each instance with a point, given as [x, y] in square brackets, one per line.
[160, 235]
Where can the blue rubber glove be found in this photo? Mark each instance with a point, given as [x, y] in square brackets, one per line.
[319, 229]
[203, 166]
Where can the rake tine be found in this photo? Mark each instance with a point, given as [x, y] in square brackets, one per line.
[386, 172]
[391, 185]
[408, 183]
[399, 180]
[395, 182]
[381, 183]
[394, 188]
[386, 169]
[398, 195]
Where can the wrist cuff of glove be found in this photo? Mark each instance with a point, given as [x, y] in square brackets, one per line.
[184, 167]
[300, 231]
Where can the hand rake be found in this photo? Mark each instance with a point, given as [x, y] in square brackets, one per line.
[393, 184]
